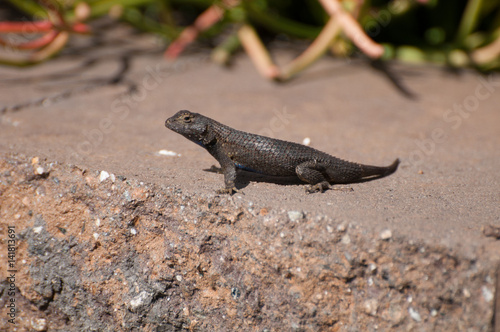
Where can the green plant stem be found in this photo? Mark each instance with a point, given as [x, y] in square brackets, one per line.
[222, 53]
[318, 47]
[469, 20]
[102, 7]
[30, 7]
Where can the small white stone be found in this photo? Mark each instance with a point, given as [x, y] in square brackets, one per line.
[112, 177]
[371, 307]
[341, 228]
[466, 293]
[39, 170]
[386, 234]
[137, 301]
[38, 229]
[414, 315]
[306, 141]
[103, 176]
[329, 229]
[295, 215]
[96, 236]
[133, 231]
[346, 239]
[487, 294]
[39, 324]
[434, 312]
[98, 222]
[168, 153]
[178, 277]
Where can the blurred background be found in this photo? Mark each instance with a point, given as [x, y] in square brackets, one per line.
[456, 34]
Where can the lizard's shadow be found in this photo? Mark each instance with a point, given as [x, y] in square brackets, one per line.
[244, 178]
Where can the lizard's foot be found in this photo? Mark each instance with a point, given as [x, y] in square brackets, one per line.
[321, 187]
[224, 191]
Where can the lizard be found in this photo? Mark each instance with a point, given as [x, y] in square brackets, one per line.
[235, 149]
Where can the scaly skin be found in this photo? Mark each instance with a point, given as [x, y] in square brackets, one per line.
[235, 149]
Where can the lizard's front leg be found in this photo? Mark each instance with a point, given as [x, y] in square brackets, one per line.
[229, 171]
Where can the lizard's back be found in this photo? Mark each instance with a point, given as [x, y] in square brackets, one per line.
[268, 155]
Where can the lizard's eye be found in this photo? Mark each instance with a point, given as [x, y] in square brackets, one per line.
[187, 118]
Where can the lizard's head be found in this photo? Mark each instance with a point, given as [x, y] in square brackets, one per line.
[193, 126]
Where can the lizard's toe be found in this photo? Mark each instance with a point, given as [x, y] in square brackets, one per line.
[224, 191]
[343, 188]
[321, 187]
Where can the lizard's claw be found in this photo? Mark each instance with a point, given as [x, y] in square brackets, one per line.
[343, 188]
[321, 187]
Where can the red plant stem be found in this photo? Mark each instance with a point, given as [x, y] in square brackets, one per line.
[26, 27]
[352, 29]
[206, 19]
[80, 28]
[39, 26]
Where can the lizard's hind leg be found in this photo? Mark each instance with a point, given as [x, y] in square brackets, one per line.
[313, 172]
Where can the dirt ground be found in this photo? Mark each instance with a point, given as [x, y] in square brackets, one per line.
[119, 228]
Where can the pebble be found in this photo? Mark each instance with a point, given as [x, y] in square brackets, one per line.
[38, 229]
[346, 239]
[386, 234]
[103, 176]
[295, 216]
[168, 153]
[414, 315]
[39, 170]
[371, 307]
[487, 294]
[341, 228]
[39, 324]
[306, 141]
[139, 300]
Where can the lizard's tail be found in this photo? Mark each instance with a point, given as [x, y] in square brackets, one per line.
[369, 171]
